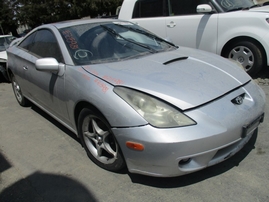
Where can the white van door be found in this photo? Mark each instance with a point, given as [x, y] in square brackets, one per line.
[156, 25]
[148, 14]
[185, 27]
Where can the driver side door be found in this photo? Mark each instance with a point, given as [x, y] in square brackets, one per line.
[46, 88]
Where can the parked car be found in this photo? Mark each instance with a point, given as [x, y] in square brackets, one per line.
[5, 41]
[135, 99]
[230, 28]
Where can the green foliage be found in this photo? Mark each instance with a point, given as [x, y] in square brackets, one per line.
[36, 12]
[8, 19]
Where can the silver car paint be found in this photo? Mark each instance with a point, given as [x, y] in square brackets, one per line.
[219, 123]
[218, 128]
[180, 81]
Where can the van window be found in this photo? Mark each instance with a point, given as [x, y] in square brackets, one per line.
[158, 8]
[150, 8]
[185, 7]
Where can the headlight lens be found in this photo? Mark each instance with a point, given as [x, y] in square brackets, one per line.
[154, 111]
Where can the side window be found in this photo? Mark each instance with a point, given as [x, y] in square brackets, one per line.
[46, 45]
[150, 8]
[185, 7]
[27, 43]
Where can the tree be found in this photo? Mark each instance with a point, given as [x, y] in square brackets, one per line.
[8, 17]
[37, 12]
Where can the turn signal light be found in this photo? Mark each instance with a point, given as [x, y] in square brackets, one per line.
[135, 146]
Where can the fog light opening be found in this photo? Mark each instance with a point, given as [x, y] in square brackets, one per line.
[184, 161]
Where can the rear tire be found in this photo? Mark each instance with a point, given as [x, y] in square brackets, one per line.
[18, 93]
[98, 141]
[248, 54]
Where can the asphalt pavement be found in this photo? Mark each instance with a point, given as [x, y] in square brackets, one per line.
[40, 160]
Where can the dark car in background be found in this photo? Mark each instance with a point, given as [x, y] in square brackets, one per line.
[5, 41]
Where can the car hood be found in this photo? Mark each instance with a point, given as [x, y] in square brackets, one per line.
[185, 80]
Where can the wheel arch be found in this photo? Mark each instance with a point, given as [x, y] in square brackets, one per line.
[80, 106]
[119, 163]
[243, 38]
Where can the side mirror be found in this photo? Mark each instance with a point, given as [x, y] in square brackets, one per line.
[204, 8]
[49, 65]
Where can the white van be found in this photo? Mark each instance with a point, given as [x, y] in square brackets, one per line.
[236, 29]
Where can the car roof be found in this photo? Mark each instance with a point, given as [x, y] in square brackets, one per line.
[69, 23]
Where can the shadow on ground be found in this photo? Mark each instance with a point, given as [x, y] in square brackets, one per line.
[4, 164]
[263, 74]
[43, 187]
[46, 187]
[55, 122]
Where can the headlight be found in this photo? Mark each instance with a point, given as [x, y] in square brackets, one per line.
[156, 112]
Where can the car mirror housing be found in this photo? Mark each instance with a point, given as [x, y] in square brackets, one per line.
[204, 8]
[50, 65]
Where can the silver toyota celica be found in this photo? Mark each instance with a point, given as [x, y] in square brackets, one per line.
[135, 99]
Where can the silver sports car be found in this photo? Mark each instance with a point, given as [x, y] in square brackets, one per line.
[135, 99]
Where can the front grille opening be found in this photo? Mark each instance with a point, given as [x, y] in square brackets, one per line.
[226, 152]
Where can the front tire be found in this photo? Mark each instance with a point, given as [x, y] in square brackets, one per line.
[18, 93]
[248, 54]
[98, 141]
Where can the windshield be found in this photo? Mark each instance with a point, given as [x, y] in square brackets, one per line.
[231, 5]
[95, 43]
[5, 42]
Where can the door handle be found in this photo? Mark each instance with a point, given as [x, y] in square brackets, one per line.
[171, 24]
[25, 68]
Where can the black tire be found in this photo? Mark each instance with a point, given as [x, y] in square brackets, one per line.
[248, 54]
[18, 93]
[98, 141]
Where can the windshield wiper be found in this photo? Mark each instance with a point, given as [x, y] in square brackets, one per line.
[147, 34]
[255, 5]
[243, 8]
[131, 41]
[236, 9]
